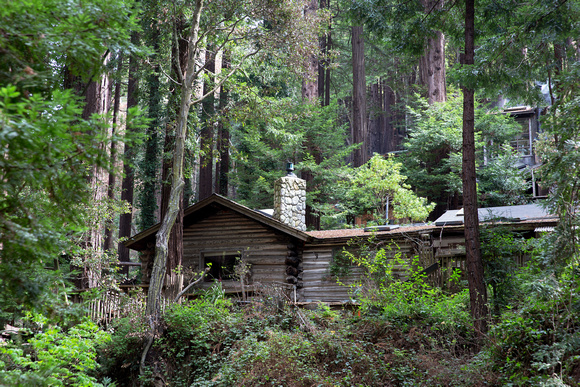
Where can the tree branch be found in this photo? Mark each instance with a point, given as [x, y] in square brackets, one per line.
[224, 79]
[203, 273]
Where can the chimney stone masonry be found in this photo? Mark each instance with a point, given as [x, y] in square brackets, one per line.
[290, 201]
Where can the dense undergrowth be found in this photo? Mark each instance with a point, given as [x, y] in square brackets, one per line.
[403, 334]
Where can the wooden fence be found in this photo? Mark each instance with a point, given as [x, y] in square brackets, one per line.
[111, 304]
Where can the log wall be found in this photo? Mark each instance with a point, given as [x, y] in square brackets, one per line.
[319, 285]
[229, 232]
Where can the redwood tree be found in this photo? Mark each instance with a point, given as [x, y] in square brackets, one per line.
[477, 288]
[432, 63]
[359, 110]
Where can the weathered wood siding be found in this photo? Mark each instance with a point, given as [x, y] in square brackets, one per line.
[319, 285]
[227, 231]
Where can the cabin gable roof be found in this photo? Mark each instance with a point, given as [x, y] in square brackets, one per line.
[208, 207]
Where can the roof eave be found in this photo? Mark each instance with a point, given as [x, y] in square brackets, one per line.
[136, 241]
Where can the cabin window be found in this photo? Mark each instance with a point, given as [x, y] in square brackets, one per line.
[222, 265]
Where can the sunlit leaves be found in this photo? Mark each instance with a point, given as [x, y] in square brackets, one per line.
[379, 183]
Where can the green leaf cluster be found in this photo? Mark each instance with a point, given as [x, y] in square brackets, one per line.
[54, 357]
[379, 182]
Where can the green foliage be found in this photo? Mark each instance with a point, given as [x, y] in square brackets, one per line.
[434, 145]
[500, 182]
[520, 45]
[119, 357]
[42, 183]
[383, 289]
[290, 358]
[54, 357]
[500, 246]
[42, 37]
[559, 150]
[379, 182]
[539, 341]
[286, 130]
[49, 150]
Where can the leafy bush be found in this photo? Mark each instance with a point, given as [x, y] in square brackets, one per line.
[540, 341]
[324, 358]
[120, 356]
[499, 248]
[54, 357]
[405, 300]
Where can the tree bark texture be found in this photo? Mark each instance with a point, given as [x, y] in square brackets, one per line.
[359, 110]
[108, 244]
[432, 63]
[323, 64]
[207, 138]
[223, 141]
[383, 136]
[310, 79]
[154, 294]
[98, 101]
[127, 186]
[477, 288]
[179, 50]
[310, 92]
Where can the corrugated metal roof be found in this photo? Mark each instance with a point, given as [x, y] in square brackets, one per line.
[508, 213]
[544, 229]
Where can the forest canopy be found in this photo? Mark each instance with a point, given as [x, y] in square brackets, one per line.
[117, 115]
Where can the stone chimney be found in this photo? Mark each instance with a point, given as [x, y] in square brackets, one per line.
[290, 200]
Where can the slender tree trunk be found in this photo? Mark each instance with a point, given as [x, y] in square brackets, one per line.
[179, 53]
[223, 141]
[477, 288]
[127, 186]
[207, 137]
[108, 244]
[153, 307]
[359, 109]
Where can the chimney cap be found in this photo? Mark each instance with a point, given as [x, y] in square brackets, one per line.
[290, 169]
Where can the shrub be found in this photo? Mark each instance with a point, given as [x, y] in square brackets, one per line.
[540, 342]
[54, 357]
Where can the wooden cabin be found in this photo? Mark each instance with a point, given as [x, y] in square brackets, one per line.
[220, 232]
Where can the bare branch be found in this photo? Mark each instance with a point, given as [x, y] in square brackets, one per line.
[164, 73]
[224, 79]
[201, 277]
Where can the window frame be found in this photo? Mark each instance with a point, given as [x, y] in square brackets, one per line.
[216, 255]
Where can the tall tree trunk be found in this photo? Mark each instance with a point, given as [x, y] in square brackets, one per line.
[323, 68]
[127, 187]
[149, 165]
[310, 81]
[154, 294]
[389, 136]
[207, 137]
[477, 288]
[310, 92]
[432, 63]
[98, 100]
[108, 243]
[359, 109]
[223, 140]
[179, 52]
